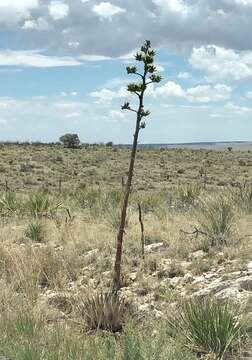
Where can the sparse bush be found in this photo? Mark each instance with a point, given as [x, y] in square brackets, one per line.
[207, 326]
[216, 219]
[35, 231]
[104, 311]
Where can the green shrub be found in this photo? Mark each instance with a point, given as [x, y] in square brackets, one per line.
[35, 231]
[207, 326]
[216, 219]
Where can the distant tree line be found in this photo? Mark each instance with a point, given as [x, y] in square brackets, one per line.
[67, 141]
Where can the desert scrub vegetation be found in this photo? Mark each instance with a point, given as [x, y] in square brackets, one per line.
[57, 247]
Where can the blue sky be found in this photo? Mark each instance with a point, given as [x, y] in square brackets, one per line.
[62, 69]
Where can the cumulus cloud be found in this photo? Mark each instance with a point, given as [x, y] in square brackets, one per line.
[170, 89]
[200, 93]
[58, 10]
[208, 93]
[176, 24]
[240, 110]
[116, 116]
[39, 24]
[221, 63]
[106, 10]
[106, 95]
[12, 11]
[179, 7]
[184, 75]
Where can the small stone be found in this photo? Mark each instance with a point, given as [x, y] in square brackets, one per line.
[175, 281]
[154, 247]
[91, 255]
[249, 266]
[133, 276]
[197, 255]
[245, 282]
[188, 278]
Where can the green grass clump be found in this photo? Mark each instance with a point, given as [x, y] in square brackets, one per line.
[216, 219]
[9, 204]
[35, 231]
[208, 327]
[41, 205]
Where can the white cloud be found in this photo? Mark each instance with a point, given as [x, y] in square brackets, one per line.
[106, 95]
[86, 57]
[70, 105]
[117, 116]
[160, 68]
[74, 44]
[208, 93]
[200, 93]
[184, 75]
[215, 115]
[39, 24]
[12, 11]
[170, 89]
[58, 10]
[249, 94]
[106, 10]
[6, 102]
[20, 6]
[244, 2]
[73, 115]
[240, 110]
[221, 63]
[72, 93]
[34, 58]
[173, 6]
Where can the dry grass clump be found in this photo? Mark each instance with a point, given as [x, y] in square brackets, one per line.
[30, 269]
[103, 311]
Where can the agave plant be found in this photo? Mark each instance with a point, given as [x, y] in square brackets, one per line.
[208, 326]
[40, 205]
[104, 311]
